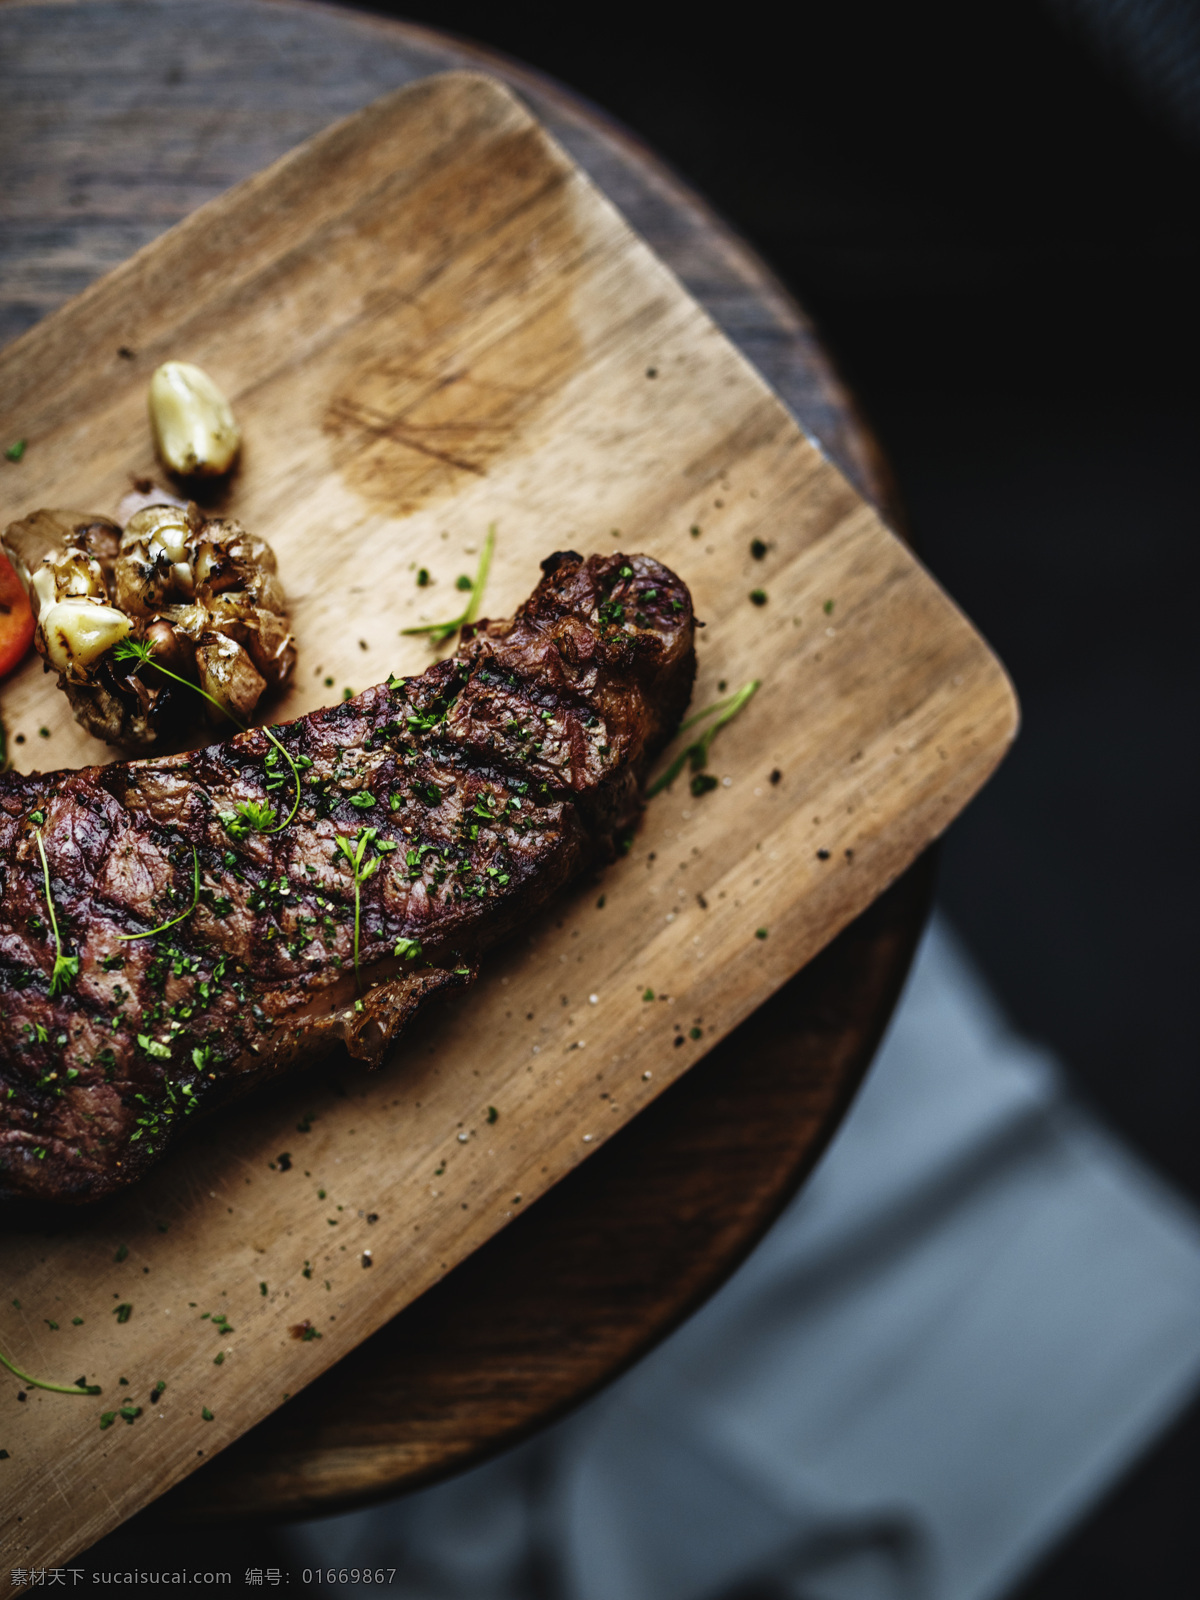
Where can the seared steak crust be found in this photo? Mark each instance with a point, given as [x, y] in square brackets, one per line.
[490, 779]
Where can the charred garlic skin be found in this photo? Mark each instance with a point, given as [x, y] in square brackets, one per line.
[194, 428]
[202, 591]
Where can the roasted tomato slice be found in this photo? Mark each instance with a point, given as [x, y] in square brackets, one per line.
[16, 618]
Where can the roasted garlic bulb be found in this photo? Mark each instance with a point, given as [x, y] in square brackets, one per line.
[201, 591]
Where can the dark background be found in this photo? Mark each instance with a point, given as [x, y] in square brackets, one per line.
[990, 209]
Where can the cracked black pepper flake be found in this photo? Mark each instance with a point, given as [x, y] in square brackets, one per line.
[822, 855]
[758, 597]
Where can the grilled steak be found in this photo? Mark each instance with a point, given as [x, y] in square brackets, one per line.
[474, 790]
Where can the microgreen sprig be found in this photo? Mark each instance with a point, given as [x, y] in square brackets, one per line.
[41, 1383]
[355, 853]
[696, 753]
[183, 915]
[439, 632]
[258, 817]
[249, 816]
[66, 968]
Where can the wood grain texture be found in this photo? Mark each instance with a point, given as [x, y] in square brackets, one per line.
[121, 117]
[378, 274]
[616, 1254]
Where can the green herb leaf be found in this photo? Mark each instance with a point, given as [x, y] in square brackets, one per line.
[183, 915]
[439, 632]
[362, 868]
[132, 650]
[66, 970]
[41, 1383]
[16, 450]
[249, 816]
[696, 753]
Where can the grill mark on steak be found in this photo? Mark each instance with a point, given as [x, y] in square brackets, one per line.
[491, 779]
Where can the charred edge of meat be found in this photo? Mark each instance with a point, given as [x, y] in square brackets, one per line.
[490, 781]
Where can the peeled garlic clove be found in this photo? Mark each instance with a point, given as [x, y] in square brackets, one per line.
[79, 574]
[193, 423]
[78, 632]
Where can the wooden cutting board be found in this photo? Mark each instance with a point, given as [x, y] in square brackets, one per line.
[428, 320]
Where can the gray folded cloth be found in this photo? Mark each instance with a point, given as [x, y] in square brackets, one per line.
[978, 1311]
